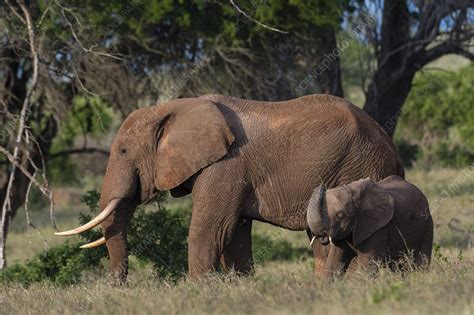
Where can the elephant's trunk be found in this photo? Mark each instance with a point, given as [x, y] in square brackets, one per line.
[316, 215]
[115, 234]
[115, 227]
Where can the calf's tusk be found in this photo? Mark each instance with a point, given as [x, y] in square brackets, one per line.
[95, 221]
[96, 243]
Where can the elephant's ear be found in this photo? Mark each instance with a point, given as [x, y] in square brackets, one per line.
[374, 210]
[193, 134]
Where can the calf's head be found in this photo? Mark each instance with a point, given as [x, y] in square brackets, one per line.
[359, 209]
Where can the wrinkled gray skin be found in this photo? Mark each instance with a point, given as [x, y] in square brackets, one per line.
[371, 221]
[242, 160]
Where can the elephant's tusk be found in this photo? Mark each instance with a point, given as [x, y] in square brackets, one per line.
[312, 241]
[96, 243]
[330, 240]
[95, 221]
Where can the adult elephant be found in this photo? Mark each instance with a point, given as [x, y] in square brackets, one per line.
[242, 160]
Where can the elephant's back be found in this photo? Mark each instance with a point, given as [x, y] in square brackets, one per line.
[317, 128]
[407, 196]
[311, 105]
[313, 110]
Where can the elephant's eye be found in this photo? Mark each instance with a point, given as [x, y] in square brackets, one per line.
[340, 215]
[123, 151]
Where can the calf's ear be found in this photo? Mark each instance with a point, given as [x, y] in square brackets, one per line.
[374, 211]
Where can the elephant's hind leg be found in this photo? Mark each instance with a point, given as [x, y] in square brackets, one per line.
[423, 255]
[238, 253]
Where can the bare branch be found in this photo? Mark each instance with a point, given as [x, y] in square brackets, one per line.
[6, 208]
[443, 49]
[12, 8]
[254, 20]
[43, 175]
[87, 50]
[13, 161]
[30, 224]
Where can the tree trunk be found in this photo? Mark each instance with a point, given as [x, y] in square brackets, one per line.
[330, 79]
[402, 51]
[386, 96]
[391, 82]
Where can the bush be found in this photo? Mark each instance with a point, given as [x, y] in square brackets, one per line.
[453, 155]
[438, 118]
[409, 153]
[158, 238]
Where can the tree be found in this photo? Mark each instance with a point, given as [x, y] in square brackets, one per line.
[410, 35]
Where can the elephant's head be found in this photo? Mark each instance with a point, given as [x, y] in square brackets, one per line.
[156, 148]
[358, 209]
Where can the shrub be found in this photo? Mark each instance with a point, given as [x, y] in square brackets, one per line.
[409, 153]
[438, 117]
[158, 238]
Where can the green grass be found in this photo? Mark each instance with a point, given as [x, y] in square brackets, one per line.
[282, 286]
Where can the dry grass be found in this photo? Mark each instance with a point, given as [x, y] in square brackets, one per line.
[278, 287]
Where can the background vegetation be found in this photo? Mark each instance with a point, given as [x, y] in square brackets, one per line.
[100, 60]
[443, 102]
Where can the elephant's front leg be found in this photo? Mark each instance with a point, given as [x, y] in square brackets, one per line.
[320, 253]
[238, 253]
[209, 233]
[215, 217]
[338, 260]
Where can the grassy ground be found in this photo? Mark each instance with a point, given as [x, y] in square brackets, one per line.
[282, 286]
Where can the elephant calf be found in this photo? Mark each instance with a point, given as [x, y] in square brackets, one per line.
[372, 221]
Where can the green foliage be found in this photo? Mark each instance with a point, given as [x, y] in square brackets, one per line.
[437, 253]
[88, 116]
[53, 265]
[438, 117]
[266, 249]
[158, 238]
[453, 155]
[61, 264]
[409, 153]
